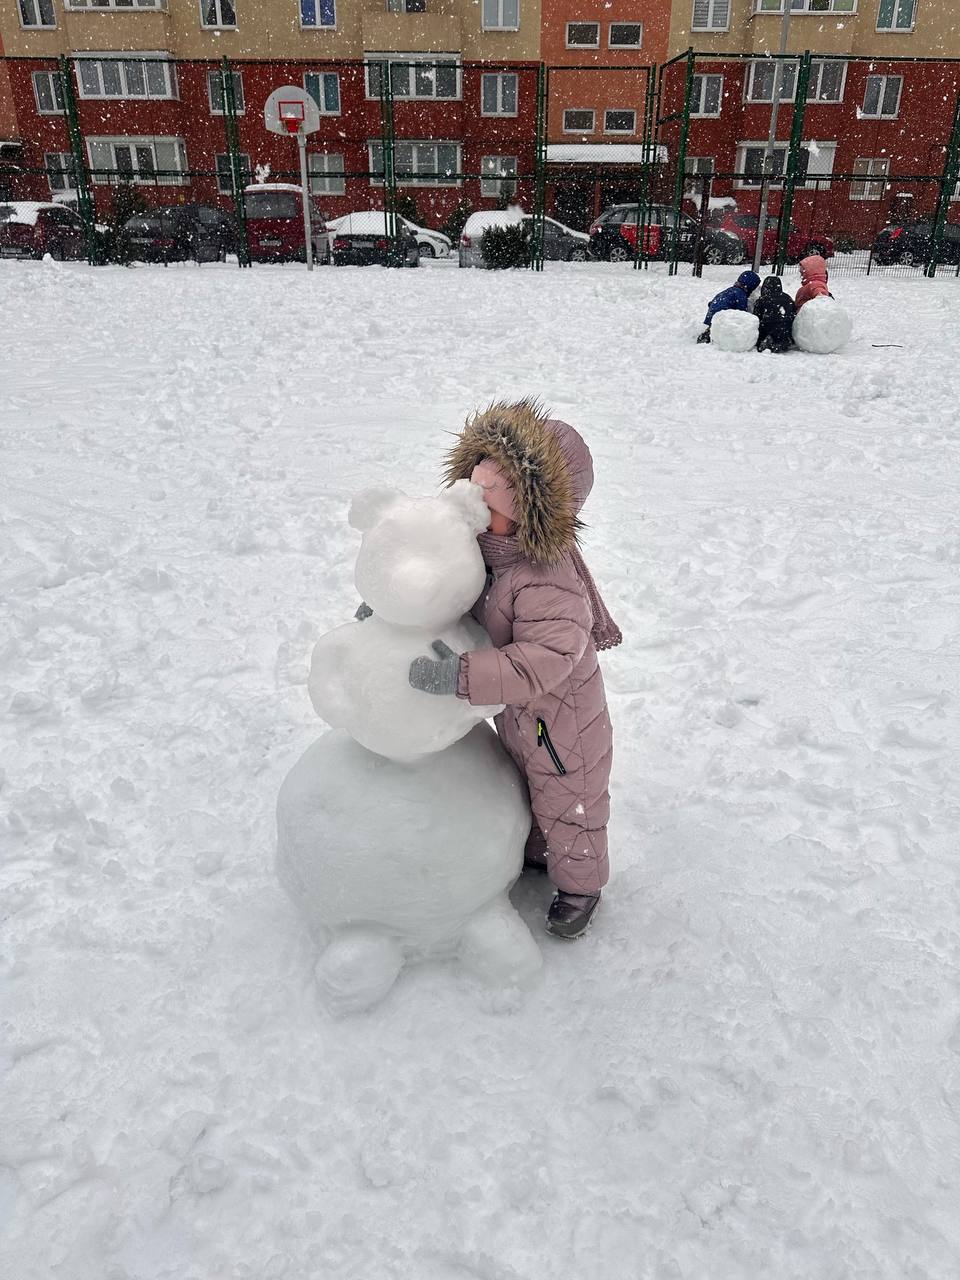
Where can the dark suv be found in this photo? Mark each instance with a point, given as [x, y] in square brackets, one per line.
[618, 231]
[180, 233]
[910, 243]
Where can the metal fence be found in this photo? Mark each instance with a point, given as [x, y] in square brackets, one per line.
[435, 138]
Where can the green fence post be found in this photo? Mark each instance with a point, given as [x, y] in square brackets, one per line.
[948, 183]
[647, 152]
[793, 163]
[237, 180]
[681, 165]
[81, 174]
[388, 144]
[540, 173]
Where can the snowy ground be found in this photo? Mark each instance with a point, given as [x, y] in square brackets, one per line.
[751, 1067]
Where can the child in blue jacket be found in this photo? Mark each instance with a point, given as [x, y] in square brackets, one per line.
[732, 299]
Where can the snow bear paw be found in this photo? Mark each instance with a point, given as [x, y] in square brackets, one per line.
[498, 948]
[357, 970]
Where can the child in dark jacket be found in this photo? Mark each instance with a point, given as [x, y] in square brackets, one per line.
[733, 299]
[775, 311]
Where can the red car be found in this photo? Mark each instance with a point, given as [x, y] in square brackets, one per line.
[800, 244]
[275, 223]
[30, 230]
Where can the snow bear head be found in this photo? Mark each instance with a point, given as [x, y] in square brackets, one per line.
[419, 564]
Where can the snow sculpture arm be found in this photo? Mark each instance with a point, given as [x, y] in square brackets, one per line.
[551, 630]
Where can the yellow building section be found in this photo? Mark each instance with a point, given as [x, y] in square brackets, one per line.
[476, 29]
[857, 28]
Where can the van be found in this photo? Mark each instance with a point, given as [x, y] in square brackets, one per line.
[275, 223]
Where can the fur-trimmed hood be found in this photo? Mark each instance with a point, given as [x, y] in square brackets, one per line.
[547, 463]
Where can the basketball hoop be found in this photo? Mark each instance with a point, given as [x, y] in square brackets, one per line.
[291, 114]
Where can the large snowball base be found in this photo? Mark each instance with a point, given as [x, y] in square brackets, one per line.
[734, 331]
[822, 326]
[391, 861]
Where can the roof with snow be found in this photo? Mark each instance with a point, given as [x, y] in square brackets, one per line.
[602, 153]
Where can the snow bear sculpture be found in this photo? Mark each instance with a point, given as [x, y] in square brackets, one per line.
[399, 833]
[822, 326]
[734, 331]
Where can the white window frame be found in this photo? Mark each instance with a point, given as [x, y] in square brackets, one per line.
[500, 76]
[500, 23]
[593, 120]
[821, 64]
[880, 114]
[321, 106]
[219, 25]
[318, 26]
[225, 185]
[409, 61]
[610, 41]
[699, 166]
[619, 132]
[695, 109]
[180, 177]
[504, 182]
[35, 6]
[820, 178]
[240, 102]
[83, 62]
[894, 29]
[122, 6]
[414, 180]
[800, 7]
[578, 23]
[768, 64]
[326, 179]
[872, 178]
[712, 24]
[66, 171]
[52, 79]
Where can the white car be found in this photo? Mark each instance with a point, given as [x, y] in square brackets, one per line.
[431, 244]
[560, 243]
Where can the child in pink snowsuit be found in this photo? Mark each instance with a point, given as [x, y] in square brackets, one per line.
[546, 619]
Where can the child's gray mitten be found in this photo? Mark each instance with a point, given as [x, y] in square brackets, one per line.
[436, 676]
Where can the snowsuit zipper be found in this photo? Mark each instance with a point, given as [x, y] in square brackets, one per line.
[543, 740]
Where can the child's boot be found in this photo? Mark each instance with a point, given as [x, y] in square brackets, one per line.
[571, 913]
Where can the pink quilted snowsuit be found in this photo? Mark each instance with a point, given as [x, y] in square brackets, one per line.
[540, 616]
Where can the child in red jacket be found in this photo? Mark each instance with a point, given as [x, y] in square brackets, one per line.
[813, 280]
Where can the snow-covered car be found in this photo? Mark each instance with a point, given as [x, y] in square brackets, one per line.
[560, 243]
[363, 240]
[430, 244]
[31, 229]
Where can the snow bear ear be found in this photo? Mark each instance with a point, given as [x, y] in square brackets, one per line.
[467, 498]
[369, 506]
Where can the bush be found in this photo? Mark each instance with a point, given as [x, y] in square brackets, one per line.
[845, 243]
[457, 221]
[111, 245]
[406, 207]
[505, 247]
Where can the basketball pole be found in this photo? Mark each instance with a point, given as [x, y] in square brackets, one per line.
[307, 229]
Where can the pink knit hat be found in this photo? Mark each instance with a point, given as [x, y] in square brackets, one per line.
[498, 492]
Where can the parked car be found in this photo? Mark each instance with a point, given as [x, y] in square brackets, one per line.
[363, 240]
[560, 243]
[275, 223]
[181, 233]
[31, 229]
[432, 244]
[620, 228]
[800, 244]
[909, 244]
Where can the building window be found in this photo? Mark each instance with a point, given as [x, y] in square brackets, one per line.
[896, 15]
[48, 92]
[576, 120]
[626, 35]
[879, 168]
[416, 76]
[711, 15]
[406, 6]
[499, 176]
[318, 13]
[498, 94]
[114, 4]
[218, 13]
[326, 174]
[501, 15]
[807, 6]
[161, 161]
[881, 99]
[707, 95]
[814, 164]
[215, 92]
[826, 81]
[225, 175]
[617, 121]
[760, 80]
[324, 88]
[60, 171]
[37, 13]
[750, 164]
[116, 77]
[695, 165]
[418, 164]
[583, 35]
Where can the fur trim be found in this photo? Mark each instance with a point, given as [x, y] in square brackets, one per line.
[514, 436]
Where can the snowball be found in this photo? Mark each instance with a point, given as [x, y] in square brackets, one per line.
[405, 860]
[822, 326]
[734, 330]
[359, 681]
